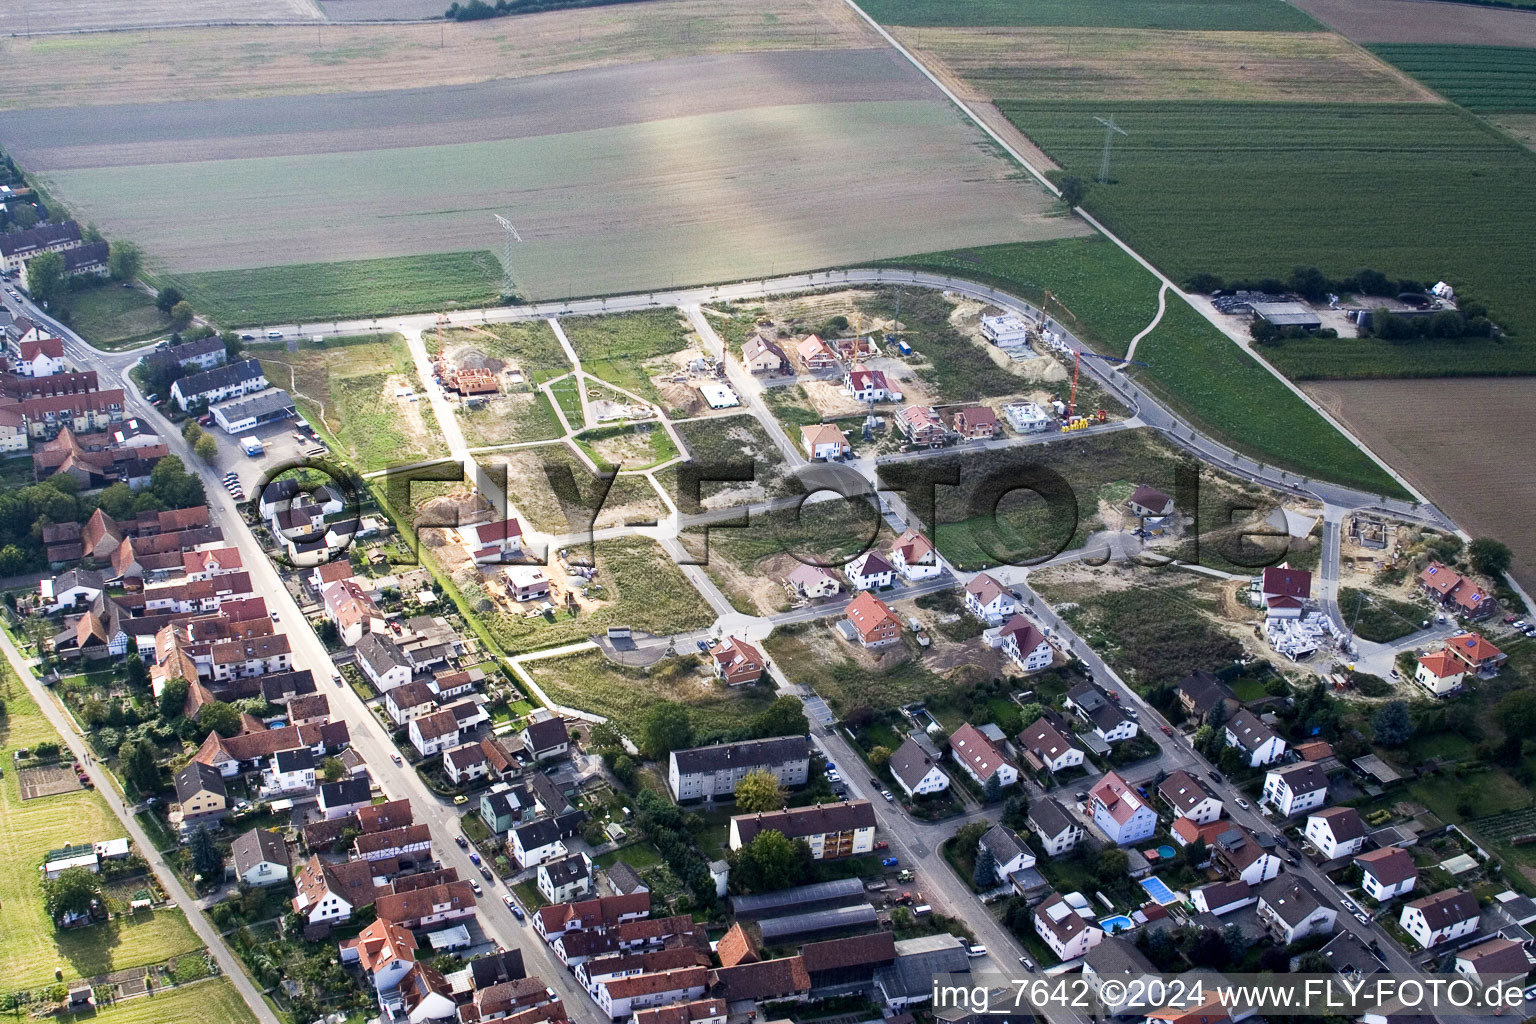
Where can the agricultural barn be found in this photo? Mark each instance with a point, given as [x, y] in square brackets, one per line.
[1287, 314]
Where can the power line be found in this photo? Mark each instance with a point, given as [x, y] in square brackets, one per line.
[1110, 128]
[506, 252]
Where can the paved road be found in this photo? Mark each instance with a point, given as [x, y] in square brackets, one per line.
[106, 785]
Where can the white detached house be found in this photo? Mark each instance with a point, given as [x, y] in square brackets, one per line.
[1336, 832]
[1388, 873]
[1446, 915]
[870, 571]
[1295, 788]
[989, 600]
[914, 557]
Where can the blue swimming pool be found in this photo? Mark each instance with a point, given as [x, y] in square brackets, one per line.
[1118, 923]
[1159, 891]
[1167, 852]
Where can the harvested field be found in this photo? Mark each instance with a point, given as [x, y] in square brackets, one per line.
[1479, 469]
[1423, 21]
[984, 64]
[1251, 15]
[381, 10]
[223, 63]
[703, 197]
[19, 16]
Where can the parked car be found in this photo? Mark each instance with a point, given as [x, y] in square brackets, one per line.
[476, 887]
[507, 899]
[460, 800]
[485, 873]
[702, 646]
[887, 794]
[889, 862]
[882, 845]
[1166, 730]
[874, 782]
[517, 911]
[1242, 803]
[474, 858]
[396, 758]
[1216, 777]
[463, 843]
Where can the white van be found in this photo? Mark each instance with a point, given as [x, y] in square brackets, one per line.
[976, 950]
[275, 335]
[921, 909]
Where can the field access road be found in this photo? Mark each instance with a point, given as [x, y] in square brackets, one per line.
[367, 734]
[166, 875]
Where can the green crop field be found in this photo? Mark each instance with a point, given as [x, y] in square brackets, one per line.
[1232, 15]
[204, 1001]
[352, 289]
[31, 948]
[1206, 377]
[346, 387]
[1253, 190]
[1481, 78]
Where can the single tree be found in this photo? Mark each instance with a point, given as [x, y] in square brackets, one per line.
[207, 860]
[758, 792]
[124, 260]
[1196, 853]
[173, 698]
[166, 300]
[992, 792]
[72, 892]
[1112, 864]
[1016, 812]
[1073, 191]
[1392, 726]
[136, 674]
[181, 315]
[668, 727]
[985, 875]
[222, 718]
[136, 759]
[47, 280]
[206, 448]
[880, 756]
[332, 770]
[1490, 557]
[772, 861]
[784, 717]
[232, 345]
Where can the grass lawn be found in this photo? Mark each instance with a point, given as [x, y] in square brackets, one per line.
[1232, 15]
[628, 447]
[558, 510]
[644, 589]
[809, 657]
[627, 348]
[346, 386]
[211, 1000]
[1482, 78]
[30, 947]
[729, 441]
[1428, 193]
[343, 291]
[591, 682]
[1154, 633]
[1479, 792]
[568, 394]
[1378, 619]
[111, 316]
[1099, 293]
[509, 419]
[1224, 391]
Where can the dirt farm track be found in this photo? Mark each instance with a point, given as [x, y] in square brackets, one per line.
[1468, 443]
[1424, 21]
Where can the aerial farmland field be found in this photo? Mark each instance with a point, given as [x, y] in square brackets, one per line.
[1424, 21]
[1249, 15]
[705, 170]
[1424, 192]
[18, 16]
[1000, 63]
[1462, 464]
[1481, 78]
